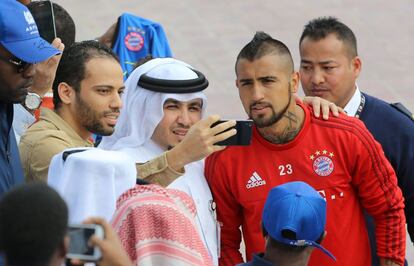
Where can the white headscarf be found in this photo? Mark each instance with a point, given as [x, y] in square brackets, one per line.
[91, 181]
[143, 109]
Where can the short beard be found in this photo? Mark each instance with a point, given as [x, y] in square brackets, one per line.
[89, 118]
[261, 122]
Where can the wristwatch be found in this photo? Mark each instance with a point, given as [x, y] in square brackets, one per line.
[32, 101]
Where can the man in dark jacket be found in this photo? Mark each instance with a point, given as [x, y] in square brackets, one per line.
[329, 68]
[20, 48]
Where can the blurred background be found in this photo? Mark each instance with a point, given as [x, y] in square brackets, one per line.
[209, 35]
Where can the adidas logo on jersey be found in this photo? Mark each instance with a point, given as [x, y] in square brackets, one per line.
[255, 181]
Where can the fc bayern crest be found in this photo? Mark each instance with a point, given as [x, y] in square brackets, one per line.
[322, 162]
[134, 41]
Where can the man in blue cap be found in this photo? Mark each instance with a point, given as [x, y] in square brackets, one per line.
[293, 222]
[20, 48]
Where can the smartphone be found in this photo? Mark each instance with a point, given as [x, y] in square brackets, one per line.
[44, 17]
[243, 136]
[79, 247]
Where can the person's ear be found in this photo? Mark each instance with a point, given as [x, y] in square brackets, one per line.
[66, 93]
[357, 66]
[63, 247]
[66, 244]
[294, 82]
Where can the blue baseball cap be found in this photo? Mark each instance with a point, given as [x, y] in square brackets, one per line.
[295, 214]
[19, 33]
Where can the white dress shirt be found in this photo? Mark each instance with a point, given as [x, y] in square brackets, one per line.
[351, 107]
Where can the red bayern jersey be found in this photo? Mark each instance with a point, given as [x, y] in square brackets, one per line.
[341, 160]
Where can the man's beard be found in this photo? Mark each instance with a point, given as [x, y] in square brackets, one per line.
[260, 121]
[89, 118]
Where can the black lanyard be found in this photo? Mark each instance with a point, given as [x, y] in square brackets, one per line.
[361, 106]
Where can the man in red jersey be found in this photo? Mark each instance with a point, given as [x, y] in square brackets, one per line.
[338, 157]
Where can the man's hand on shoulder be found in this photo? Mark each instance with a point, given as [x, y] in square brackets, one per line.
[318, 104]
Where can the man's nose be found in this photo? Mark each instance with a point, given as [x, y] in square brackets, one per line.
[116, 102]
[257, 92]
[184, 117]
[317, 76]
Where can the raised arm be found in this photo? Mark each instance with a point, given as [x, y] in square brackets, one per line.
[197, 144]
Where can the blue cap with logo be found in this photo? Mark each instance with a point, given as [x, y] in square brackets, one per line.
[295, 214]
[19, 33]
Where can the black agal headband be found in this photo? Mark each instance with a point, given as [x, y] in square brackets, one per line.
[174, 86]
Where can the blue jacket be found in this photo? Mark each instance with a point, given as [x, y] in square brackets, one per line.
[395, 131]
[136, 38]
[11, 172]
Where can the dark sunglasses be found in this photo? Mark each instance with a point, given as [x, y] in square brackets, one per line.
[19, 64]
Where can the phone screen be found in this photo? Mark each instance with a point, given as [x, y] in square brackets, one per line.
[79, 238]
[243, 136]
[42, 12]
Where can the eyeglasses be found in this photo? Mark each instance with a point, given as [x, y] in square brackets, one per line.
[19, 64]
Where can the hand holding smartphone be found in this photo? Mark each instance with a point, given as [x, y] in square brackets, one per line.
[79, 242]
[96, 241]
[243, 136]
